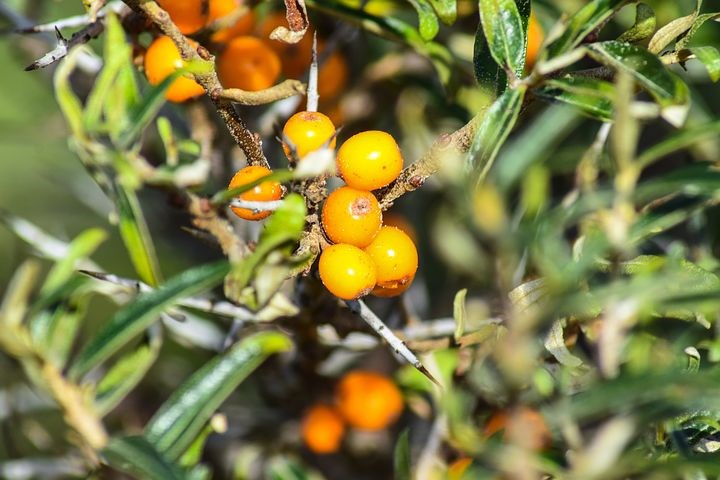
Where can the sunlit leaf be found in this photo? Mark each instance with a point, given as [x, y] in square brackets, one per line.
[591, 96]
[181, 418]
[138, 457]
[582, 23]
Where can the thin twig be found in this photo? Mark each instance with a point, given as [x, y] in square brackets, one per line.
[395, 343]
[312, 93]
[282, 90]
[248, 142]
[414, 175]
[64, 46]
[75, 21]
[256, 206]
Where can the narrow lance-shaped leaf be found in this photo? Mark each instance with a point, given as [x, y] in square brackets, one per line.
[668, 33]
[136, 235]
[402, 457]
[644, 26]
[70, 104]
[80, 248]
[590, 96]
[582, 23]
[504, 32]
[141, 313]
[427, 19]
[669, 91]
[126, 373]
[710, 57]
[684, 41]
[182, 417]
[446, 10]
[679, 141]
[137, 457]
[494, 129]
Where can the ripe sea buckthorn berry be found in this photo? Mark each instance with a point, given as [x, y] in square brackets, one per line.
[392, 291]
[535, 36]
[222, 8]
[346, 271]
[395, 258]
[189, 15]
[351, 216]
[249, 64]
[368, 400]
[525, 426]
[308, 131]
[162, 58]
[264, 192]
[323, 429]
[369, 160]
[397, 220]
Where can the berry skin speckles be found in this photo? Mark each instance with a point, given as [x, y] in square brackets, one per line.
[395, 258]
[351, 216]
[346, 271]
[308, 131]
[264, 192]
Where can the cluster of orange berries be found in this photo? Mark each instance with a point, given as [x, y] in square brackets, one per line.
[363, 400]
[245, 61]
[365, 255]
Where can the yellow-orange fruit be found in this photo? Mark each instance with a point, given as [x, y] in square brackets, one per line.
[162, 58]
[242, 26]
[308, 131]
[525, 426]
[535, 37]
[346, 271]
[323, 429]
[369, 160]
[351, 216]
[263, 192]
[249, 64]
[395, 258]
[189, 15]
[368, 400]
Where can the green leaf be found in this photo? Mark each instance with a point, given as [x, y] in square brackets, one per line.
[679, 141]
[535, 143]
[582, 23]
[428, 21]
[492, 132]
[684, 41]
[446, 10]
[60, 329]
[644, 26]
[669, 91]
[668, 33]
[81, 247]
[504, 32]
[137, 457]
[136, 235]
[125, 374]
[70, 104]
[710, 57]
[116, 55]
[401, 457]
[459, 313]
[591, 96]
[182, 417]
[283, 229]
[135, 317]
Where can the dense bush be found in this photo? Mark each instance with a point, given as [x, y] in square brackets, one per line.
[559, 185]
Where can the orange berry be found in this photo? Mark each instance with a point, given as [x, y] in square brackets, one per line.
[535, 36]
[351, 216]
[346, 271]
[397, 220]
[457, 469]
[308, 131]
[323, 429]
[249, 64]
[392, 291]
[525, 426]
[242, 26]
[332, 76]
[369, 160]
[264, 192]
[189, 15]
[368, 400]
[162, 58]
[395, 258]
